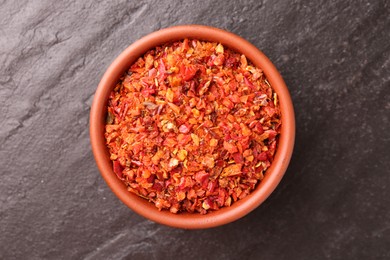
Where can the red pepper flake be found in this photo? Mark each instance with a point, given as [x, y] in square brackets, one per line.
[184, 129]
[118, 169]
[192, 126]
[231, 148]
[188, 72]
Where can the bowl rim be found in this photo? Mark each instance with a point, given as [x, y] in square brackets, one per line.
[273, 174]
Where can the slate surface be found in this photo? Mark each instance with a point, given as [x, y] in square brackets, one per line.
[334, 202]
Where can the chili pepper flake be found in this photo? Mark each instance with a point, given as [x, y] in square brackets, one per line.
[192, 126]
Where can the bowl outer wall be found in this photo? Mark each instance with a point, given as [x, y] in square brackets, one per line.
[187, 220]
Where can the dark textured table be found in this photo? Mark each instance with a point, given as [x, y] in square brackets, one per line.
[334, 201]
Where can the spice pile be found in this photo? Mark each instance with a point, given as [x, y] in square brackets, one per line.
[192, 126]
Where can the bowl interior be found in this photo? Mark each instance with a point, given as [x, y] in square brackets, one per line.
[187, 220]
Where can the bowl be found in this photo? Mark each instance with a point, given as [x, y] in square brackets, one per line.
[143, 207]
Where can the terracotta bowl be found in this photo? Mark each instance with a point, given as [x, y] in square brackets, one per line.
[186, 220]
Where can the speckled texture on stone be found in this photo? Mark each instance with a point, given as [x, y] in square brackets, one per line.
[334, 202]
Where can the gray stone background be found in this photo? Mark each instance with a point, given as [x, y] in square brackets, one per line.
[334, 201]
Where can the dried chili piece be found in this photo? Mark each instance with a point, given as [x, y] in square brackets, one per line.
[192, 126]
